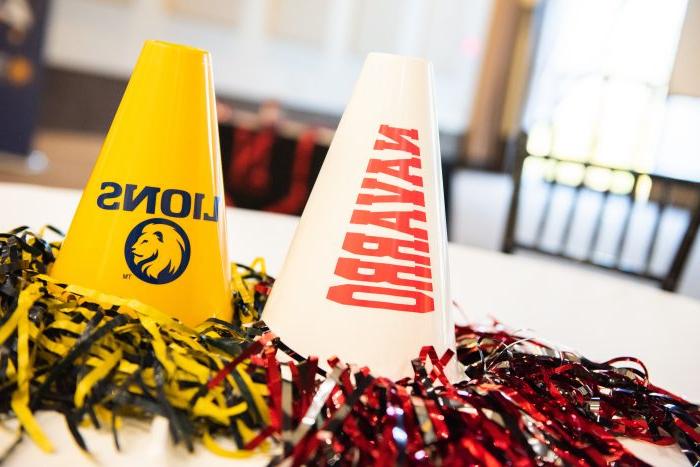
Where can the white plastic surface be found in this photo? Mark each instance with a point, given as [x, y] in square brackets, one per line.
[323, 303]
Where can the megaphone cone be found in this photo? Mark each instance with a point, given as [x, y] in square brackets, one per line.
[151, 223]
[365, 278]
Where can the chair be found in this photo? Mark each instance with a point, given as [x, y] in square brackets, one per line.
[665, 192]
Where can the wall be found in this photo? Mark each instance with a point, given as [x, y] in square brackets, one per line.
[306, 53]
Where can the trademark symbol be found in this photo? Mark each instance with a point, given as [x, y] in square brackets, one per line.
[126, 276]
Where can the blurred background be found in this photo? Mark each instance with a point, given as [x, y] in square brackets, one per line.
[570, 129]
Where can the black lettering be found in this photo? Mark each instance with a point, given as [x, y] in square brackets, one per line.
[166, 204]
[149, 193]
[213, 217]
[115, 193]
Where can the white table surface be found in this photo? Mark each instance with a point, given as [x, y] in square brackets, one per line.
[599, 315]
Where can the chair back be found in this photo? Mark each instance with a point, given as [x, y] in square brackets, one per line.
[644, 227]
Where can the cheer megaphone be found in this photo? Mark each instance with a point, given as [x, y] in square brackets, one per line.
[151, 223]
[365, 278]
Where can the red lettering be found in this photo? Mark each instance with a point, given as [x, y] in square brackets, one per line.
[366, 245]
[398, 140]
[350, 268]
[378, 280]
[403, 172]
[400, 195]
[346, 295]
[401, 221]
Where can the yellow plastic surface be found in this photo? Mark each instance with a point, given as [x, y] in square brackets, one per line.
[151, 223]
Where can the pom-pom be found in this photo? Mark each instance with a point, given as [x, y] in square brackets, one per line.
[98, 358]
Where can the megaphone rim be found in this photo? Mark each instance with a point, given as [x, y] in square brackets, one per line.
[389, 56]
[172, 45]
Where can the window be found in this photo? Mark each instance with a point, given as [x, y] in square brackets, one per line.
[599, 90]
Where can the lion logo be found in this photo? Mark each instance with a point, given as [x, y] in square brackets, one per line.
[157, 251]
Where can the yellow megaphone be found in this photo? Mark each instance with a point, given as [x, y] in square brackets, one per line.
[151, 223]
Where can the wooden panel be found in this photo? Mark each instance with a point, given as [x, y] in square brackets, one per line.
[483, 143]
[684, 79]
[77, 101]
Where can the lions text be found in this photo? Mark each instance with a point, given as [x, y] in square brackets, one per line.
[171, 202]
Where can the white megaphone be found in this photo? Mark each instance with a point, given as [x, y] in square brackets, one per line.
[366, 278]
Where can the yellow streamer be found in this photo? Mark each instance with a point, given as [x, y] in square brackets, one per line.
[96, 374]
[240, 286]
[20, 398]
[158, 345]
[217, 449]
[259, 264]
